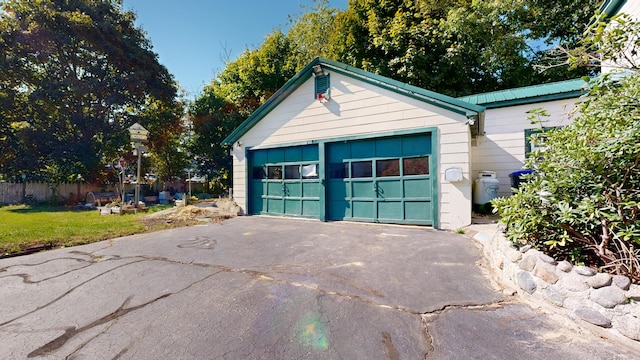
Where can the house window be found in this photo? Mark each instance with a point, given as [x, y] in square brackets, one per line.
[530, 145]
[322, 84]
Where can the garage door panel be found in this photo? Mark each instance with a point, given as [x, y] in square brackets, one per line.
[389, 188]
[391, 147]
[310, 208]
[274, 206]
[419, 211]
[293, 189]
[362, 149]
[362, 189]
[311, 189]
[416, 145]
[292, 207]
[274, 189]
[417, 188]
[362, 209]
[390, 210]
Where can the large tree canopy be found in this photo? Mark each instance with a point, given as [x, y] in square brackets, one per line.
[75, 74]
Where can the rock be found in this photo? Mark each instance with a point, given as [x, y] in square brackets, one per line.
[528, 262]
[546, 272]
[599, 280]
[525, 248]
[513, 255]
[634, 293]
[593, 317]
[526, 282]
[629, 326]
[584, 270]
[622, 282]
[564, 266]
[608, 296]
[548, 259]
[553, 295]
[574, 282]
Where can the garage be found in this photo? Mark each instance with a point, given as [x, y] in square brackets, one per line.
[337, 143]
[285, 182]
[385, 180]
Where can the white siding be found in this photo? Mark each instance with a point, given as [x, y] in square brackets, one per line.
[502, 148]
[631, 8]
[357, 108]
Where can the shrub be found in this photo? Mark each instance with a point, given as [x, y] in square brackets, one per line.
[584, 203]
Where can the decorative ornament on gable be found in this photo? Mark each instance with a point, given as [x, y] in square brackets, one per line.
[322, 84]
[325, 96]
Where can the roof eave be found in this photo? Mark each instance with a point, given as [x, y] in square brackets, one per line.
[442, 101]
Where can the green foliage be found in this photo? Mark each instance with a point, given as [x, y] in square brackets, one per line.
[458, 47]
[75, 75]
[590, 171]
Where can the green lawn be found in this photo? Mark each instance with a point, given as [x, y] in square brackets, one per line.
[24, 226]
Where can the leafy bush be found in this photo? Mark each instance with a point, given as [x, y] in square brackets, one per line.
[584, 203]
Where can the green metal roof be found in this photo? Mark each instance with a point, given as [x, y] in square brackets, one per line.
[430, 97]
[529, 94]
[612, 7]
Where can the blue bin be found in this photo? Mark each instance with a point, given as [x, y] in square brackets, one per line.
[518, 177]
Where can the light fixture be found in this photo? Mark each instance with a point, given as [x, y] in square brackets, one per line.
[317, 70]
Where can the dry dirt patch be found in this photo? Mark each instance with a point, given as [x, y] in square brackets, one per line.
[216, 210]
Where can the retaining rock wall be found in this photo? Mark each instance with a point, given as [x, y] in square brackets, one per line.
[610, 302]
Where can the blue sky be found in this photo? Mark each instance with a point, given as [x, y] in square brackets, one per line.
[191, 37]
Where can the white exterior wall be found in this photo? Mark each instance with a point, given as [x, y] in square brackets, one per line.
[631, 8]
[502, 148]
[358, 108]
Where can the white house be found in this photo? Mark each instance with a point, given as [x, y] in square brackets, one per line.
[504, 145]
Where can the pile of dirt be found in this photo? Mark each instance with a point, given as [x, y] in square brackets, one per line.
[205, 211]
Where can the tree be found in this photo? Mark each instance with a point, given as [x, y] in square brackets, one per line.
[312, 33]
[75, 73]
[584, 202]
[455, 47]
[233, 96]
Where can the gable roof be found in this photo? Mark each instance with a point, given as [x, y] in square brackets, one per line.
[430, 97]
[529, 94]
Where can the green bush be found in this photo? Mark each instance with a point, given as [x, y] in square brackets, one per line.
[584, 202]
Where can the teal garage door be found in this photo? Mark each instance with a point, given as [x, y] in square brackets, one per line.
[385, 180]
[284, 182]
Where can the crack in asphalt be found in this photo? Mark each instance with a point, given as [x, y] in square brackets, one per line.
[389, 349]
[429, 317]
[121, 311]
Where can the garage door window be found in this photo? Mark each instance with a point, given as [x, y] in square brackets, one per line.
[275, 172]
[388, 168]
[361, 169]
[416, 166]
[292, 172]
[310, 171]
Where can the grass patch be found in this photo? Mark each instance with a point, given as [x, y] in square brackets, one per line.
[23, 226]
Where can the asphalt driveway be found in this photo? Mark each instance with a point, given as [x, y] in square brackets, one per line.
[267, 288]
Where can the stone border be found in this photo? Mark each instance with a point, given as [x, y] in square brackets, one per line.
[580, 293]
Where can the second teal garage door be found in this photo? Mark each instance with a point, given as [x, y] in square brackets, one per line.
[386, 180]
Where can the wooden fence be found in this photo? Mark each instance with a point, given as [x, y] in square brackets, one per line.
[69, 193]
